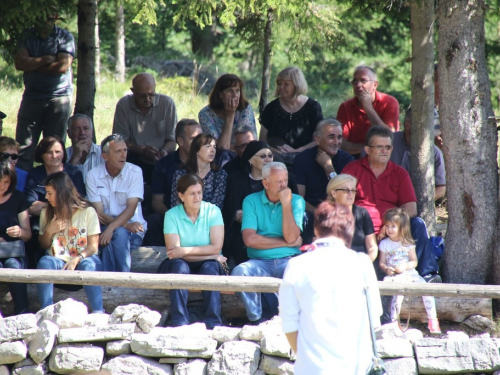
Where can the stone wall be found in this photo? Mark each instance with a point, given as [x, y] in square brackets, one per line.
[64, 339]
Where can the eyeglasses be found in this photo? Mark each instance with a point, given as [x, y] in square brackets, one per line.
[6, 155]
[263, 156]
[145, 96]
[347, 191]
[243, 145]
[354, 82]
[380, 148]
[110, 138]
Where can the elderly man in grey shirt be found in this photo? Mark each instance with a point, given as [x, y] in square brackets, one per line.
[147, 121]
[401, 155]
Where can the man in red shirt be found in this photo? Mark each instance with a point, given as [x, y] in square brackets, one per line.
[382, 185]
[368, 108]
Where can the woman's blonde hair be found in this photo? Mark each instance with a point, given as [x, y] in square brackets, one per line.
[296, 76]
[337, 182]
[400, 217]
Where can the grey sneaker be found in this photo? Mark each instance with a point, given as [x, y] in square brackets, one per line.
[433, 278]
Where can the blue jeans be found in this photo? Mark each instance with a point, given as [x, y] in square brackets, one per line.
[46, 291]
[116, 255]
[179, 297]
[262, 268]
[427, 262]
[18, 291]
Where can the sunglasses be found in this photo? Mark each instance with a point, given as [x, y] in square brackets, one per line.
[6, 155]
[263, 156]
[347, 191]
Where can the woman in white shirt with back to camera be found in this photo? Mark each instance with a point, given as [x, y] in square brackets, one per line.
[322, 299]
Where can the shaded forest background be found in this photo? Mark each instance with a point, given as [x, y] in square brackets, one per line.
[376, 35]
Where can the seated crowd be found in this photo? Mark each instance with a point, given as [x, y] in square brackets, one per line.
[221, 196]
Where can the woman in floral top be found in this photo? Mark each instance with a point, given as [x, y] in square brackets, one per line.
[227, 110]
[69, 229]
[200, 161]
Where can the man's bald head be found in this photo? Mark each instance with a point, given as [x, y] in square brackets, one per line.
[143, 88]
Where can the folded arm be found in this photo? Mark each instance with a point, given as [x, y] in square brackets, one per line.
[196, 253]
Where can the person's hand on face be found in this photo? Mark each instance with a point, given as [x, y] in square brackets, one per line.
[365, 99]
[285, 195]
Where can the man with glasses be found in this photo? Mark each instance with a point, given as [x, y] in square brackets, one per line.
[383, 185]
[116, 190]
[147, 121]
[368, 108]
[45, 56]
[242, 137]
[9, 150]
[83, 153]
[315, 166]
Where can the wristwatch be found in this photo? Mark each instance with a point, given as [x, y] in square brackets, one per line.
[332, 175]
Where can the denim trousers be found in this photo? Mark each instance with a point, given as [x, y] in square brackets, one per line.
[179, 297]
[116, 255]
[427, 262]
[35, 116]
[261, 268]
[46, 291]
[18, 291]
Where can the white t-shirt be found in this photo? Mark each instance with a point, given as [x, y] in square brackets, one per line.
[322, 297]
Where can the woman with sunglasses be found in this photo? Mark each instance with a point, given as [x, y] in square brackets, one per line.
[69, 230]
[239, 185]
[200, 161]
[342, 189]
[14, 226]
[9, 150]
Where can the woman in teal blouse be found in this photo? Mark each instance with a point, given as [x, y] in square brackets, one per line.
[194, 234]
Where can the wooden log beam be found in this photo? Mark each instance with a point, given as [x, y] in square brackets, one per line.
[225, 283]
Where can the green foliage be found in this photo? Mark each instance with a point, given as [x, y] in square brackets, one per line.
[18, 15]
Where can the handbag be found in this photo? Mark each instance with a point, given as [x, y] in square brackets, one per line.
[378, 366]
[12, 249]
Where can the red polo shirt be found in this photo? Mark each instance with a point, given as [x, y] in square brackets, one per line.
[391, 189]
[355, 121]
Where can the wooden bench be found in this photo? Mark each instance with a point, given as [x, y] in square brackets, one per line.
[454, 302]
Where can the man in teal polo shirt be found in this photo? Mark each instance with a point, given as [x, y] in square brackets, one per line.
[271, 227]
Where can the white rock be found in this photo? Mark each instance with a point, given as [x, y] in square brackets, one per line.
[413, 335]
[479, 323]
[12, 352]
[66, 314]
[401, 366]
[146, 319]
[131, 364]
[388, 331]
[456, 335]
[223, 334]
[29, 367]
[394, 348]
[114, 348]
[67, 359]
[96, 320]
[235, 358]
[43, 341]
[192, 367]
[276, 366]
[192, 341]
[103, 333]
[4, 370]
[276, 345]
[17, 327]
[485, 335]
[252, 333]
[441, 356]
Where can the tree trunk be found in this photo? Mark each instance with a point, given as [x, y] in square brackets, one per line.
[266, 63]
[97, 51]
[470, 142]
[120, 42]
[85, 81]
[422, 95]
[203, 40]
